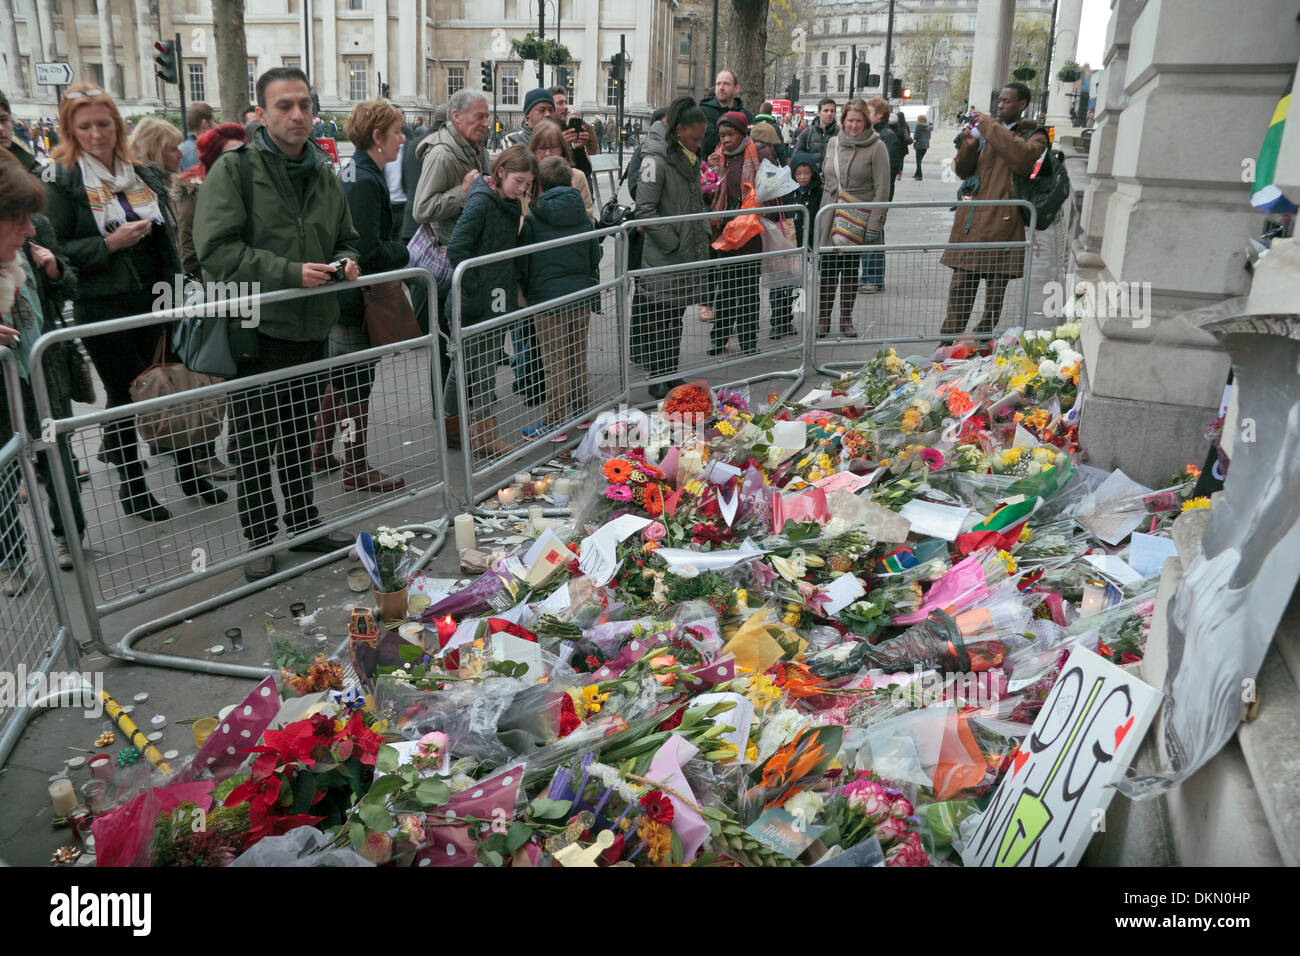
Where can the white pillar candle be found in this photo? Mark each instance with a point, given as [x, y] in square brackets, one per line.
[535, 518]
[63, 796]
[523, 478]
[561, 492]
[465, 532]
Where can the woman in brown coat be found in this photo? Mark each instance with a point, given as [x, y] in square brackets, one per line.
[995, 156]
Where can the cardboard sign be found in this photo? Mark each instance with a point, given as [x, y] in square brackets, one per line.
[1054, 797]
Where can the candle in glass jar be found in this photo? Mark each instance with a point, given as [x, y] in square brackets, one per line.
[561, 492]
[465, 532]
[446, 628]
[541, 486]
[63, 796]
[523, 478]
[506, 497]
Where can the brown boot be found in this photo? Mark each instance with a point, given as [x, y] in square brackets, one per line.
[483, 438]
[451, 425]
[321, 459]
[357, 473]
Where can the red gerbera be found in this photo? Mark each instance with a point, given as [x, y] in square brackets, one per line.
[657, 807]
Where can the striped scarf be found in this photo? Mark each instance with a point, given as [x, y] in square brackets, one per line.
[748, 170]
[103, 187]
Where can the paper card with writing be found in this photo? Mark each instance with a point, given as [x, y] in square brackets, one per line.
[1147, 553]
[784, 832]
[546, 555]
[1054, 797]
[558, 602]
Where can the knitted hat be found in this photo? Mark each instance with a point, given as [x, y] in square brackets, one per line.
[766, 134]
[533, 97]
[736, 120]
[213, 142]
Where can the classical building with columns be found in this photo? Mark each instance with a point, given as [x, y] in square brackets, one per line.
[424, 50]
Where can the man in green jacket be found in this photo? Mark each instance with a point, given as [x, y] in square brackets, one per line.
[272, 214]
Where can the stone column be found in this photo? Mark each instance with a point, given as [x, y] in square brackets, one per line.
[380, 63]
[1176, 226]
[144, 40]
[326, 68]
[1101, 152]
[591, 70]
[9, 48]
[407, 83]
[108, 49]
[1064, 47]
[994, 20]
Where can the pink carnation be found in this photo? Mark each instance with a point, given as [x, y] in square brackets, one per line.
[654, 531]
[901, 807]
[618, 493]
[867, 798]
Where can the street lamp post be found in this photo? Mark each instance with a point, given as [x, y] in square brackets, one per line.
[713, 46]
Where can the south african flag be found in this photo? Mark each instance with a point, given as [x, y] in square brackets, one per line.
[1263, 194]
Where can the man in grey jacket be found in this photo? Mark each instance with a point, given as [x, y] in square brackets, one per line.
[450, 160]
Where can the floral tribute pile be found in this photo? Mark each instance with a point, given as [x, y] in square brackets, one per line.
[776, 633]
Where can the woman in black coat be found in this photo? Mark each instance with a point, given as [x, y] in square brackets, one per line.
[118, 229]
[375, 128]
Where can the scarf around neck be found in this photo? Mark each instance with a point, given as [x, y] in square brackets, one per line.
[107, 190]
[747, 173]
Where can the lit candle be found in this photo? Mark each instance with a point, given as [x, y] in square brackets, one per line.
[446, 628]
[63, 796]
[541, 486]
[465, 538]
[506, 497]
[523, 478]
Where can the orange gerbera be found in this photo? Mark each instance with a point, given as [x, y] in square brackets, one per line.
[617, 471]
[652, 499]
[959, 402]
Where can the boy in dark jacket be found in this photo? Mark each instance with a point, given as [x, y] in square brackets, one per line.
[808, 195]
[561, 334]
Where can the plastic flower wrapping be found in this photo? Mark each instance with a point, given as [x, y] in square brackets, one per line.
[811, 630]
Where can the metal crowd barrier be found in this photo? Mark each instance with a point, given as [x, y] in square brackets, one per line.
[36, 631]
[741, 290]
[126, 561]
[914, 292]
[566, 363]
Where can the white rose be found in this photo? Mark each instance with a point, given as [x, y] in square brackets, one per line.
[1047, 368]
[1057, 346]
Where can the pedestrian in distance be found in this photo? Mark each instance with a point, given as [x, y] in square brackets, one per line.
[274, 214]
[873, 263]
[808, 194]
[922, 141]
[199, 118]
[813, 139]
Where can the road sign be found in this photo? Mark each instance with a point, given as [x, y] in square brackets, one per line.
[53, 74]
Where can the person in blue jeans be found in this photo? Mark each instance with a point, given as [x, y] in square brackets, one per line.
[873, 263]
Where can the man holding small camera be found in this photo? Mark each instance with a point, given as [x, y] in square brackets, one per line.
[272, 215]
[992, 151]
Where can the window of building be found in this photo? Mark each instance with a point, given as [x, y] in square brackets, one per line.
[839, 83]
[611, 89]
[512, 9]
[291, 61]
[862, 24]
[197, 88]
[825, 58]
[358, 79]
[970, 22]
[844, 25]
[428, 80]
[455, 79]
[252, 80]
[844, 57]
[821, 83]
[684, 46]
[509, 85]
[356, 4]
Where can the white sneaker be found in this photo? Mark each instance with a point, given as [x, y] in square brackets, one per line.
[15, 578]
[62, 556]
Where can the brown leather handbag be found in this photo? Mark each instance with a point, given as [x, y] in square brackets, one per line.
[180, 426]
[389, 316]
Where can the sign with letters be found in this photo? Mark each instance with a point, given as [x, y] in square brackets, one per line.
[1055, 794]
[53, 74]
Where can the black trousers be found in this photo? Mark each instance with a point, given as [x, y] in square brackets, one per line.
[277, 421]
[739, 303]
[656, 332]
[920, 154]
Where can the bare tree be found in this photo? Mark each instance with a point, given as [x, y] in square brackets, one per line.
[923, 55]
[232, 56]
[958, 92]
[789, 24]
[748, 36]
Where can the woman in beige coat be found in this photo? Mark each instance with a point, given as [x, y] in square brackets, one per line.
[855, 169]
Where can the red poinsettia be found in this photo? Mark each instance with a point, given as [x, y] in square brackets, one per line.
[657, 807]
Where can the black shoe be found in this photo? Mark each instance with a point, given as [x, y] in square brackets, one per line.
[259, 568]
[198, 487]
[751, 350]
[138, 502]
[658, 389]
[715, 350]
[323, 543]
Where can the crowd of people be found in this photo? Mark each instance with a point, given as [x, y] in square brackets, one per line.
[117, 214]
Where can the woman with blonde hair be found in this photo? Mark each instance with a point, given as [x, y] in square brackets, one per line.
[114, 223]
[159, 142]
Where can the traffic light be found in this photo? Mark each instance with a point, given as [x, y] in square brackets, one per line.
[792, 91]
[895, 89]
[864, 75]
[616, 67]
[569, 84]
[165, 61]
[486, 67]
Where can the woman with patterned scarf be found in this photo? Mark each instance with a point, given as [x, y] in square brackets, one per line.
[736, 162]
[21, 324]
[114, 223]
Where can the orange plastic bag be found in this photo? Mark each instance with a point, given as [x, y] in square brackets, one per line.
[741, 229]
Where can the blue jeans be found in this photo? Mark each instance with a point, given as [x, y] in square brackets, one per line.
[873, 266]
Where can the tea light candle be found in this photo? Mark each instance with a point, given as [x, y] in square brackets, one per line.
[465, 537]
[507, 497]
[101, 767]
[412, 633]
[541, 486]
[63, 796]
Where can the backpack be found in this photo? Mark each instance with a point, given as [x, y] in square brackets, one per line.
[1047, 189]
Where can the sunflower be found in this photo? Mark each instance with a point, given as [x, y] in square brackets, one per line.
[617, 471]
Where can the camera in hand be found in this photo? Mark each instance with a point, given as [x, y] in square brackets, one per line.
[965, 118]
[339, 270]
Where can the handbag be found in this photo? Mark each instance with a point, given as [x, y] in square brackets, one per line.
[848, 226]
[189, 424]
[81, 383]
[389, 316]
[428, 253]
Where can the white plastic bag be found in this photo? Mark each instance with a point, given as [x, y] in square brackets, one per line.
[773, 182]
[780, 271]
